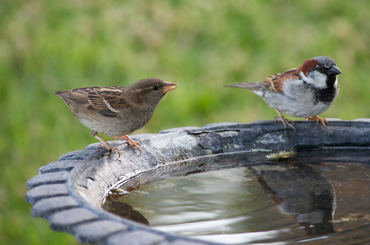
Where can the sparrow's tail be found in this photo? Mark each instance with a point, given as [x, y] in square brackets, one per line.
[251, 86]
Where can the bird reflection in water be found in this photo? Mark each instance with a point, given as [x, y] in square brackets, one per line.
[124, 210]
[297, 189]
[113, 205]
[300, 190]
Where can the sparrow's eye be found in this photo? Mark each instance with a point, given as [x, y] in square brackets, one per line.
[319, 67]
[155, 87]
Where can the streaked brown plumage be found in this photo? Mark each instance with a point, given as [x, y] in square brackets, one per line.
[117, 111]
[306, 91]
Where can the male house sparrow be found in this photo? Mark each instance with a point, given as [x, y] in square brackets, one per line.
[305, 91]
[117, 111]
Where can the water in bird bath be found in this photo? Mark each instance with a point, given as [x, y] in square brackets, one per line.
[286, 201]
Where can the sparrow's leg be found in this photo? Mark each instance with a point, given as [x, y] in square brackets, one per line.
[105, 143]
[318, 119]
[130, 141]
[284, 120]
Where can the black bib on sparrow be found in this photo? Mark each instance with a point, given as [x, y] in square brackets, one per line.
[326, 95]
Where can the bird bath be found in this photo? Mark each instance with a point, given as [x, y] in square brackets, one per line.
[285, 199]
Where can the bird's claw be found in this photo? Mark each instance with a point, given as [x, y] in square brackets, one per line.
[108, 147]
[130, 142]
[116, 150]
[286, 122]
[318, 119]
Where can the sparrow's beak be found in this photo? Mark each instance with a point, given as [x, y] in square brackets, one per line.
[168, 87]
[334, 71]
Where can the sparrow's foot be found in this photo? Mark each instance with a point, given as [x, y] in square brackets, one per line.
[114, 149]
[105, 143]
[130, 141]
[318, 119]
[285, 121]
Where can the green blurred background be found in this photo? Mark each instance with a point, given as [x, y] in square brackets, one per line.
[199, 44]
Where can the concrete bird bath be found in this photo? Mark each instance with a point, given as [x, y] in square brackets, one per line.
[70, 192]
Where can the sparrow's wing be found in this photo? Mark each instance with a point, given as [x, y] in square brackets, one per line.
[275, 83]
[109, 101]
[77, 96]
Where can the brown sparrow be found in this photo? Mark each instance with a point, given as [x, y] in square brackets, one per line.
[117, 111]
[306, 91]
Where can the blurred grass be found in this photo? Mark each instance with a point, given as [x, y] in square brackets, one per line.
[200, 45]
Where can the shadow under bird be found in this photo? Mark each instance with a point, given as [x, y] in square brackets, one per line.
[306, 91]
[117, 111]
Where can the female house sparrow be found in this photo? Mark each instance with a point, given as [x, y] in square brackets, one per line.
[305, 91]
[117, 111]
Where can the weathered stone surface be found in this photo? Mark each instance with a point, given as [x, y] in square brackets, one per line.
[59, 166]
[135, 238]
[48, 178]
[96, 231]
[171, 130]
[69, 193]
[362, 119]
[76, 155]
[184, 242]
[222, 124]
[46, 206]
[65, 220]
[46, 191]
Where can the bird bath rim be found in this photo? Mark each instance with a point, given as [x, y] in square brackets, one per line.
[69, 193]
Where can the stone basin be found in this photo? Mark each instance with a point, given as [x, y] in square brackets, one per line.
[70, 192]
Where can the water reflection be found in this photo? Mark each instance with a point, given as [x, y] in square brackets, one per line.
[124, 210]
[301, 191]
[268, 203]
